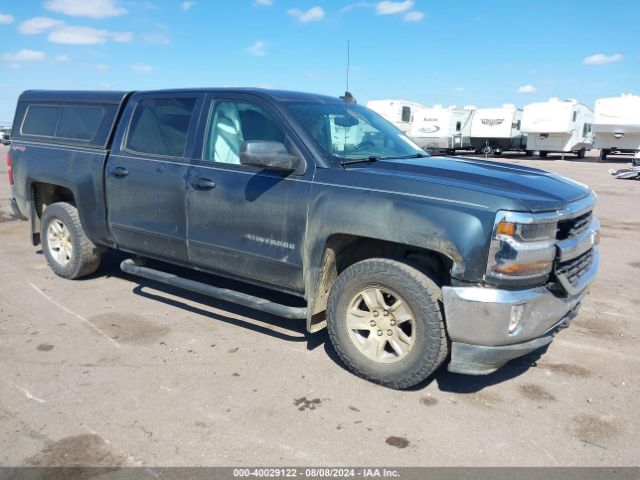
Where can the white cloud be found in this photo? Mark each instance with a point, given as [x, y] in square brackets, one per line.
[356, 5]
[156, 39]
[62, 58]
[391, 8]
[602, 59]
[100, 67]
[5, 19]
[38, 25]
[86, 8]
[263, 3]
[414, 16]
[187, 5]
[141, 67]
[76, 35]
[24, 56]
[312, 15]
[258, 49]
[528, 88]
[121, 37]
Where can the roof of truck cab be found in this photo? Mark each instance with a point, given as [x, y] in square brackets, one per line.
[278, 95]
[74, 96]
[93, 96]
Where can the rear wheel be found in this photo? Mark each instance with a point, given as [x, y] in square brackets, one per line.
[603, 154]
[580, 153]
[543, 154]
[528, 153]
[68, 251]
[385, 322]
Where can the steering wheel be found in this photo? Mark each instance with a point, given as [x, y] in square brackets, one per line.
[366, 143]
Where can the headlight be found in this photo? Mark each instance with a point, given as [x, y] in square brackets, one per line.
[522, 247]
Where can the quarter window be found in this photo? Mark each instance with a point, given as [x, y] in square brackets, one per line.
[160, 126]
[232, 123]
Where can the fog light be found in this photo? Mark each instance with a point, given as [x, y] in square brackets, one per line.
[515, 322]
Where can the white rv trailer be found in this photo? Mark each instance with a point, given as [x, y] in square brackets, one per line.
[562, 126]
[497, 129]
[432, 128]
[616, 125]
[398, 112]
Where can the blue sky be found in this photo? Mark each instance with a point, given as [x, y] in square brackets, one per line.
[463, 52]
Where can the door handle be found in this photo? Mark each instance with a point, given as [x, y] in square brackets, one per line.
[203, 184]
[119, 172]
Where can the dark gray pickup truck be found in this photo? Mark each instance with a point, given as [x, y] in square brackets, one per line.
[409, 260]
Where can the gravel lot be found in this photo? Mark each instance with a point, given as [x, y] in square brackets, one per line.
[111, 370]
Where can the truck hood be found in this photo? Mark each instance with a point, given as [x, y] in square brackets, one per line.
[535, 189]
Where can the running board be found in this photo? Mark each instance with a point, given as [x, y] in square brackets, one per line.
[128, 266]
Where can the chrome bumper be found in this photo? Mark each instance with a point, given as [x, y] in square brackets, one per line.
[478, 321]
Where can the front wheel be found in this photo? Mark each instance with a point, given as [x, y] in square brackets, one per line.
[386, 323]
[68, 251]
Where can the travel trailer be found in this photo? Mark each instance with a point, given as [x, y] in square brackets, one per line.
[562, 126]
[496, 129]
[432, 128]
[616, 125]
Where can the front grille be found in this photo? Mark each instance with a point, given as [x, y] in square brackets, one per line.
[573, 269]
[574, 226]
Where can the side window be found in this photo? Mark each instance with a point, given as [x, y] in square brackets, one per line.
[406, 114]
[458, 126]
[159, 126]
[40, 120]
[79, 123]
[231, 123]
[575, 115]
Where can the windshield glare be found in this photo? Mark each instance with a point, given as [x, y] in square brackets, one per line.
[350, 131]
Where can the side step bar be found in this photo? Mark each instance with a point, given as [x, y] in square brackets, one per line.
[128, 266]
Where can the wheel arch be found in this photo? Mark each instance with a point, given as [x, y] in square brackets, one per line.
[342, 250]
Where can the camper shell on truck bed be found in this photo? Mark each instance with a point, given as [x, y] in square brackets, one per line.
[407, 259]
[83, 119]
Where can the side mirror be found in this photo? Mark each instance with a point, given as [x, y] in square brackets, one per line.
[269, 155]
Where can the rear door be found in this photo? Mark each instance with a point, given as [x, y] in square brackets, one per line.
[245, 221]
[146, 172]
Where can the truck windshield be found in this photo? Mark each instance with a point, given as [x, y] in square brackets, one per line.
[353, 132]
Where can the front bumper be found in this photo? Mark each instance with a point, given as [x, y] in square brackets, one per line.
[478, 322]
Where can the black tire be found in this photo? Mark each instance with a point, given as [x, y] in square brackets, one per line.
[528, 153]
[543, 154]
[580, 153]
[424, 299]
[603, 154]
[85, 257]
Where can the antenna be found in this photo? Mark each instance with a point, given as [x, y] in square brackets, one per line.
[348, 61]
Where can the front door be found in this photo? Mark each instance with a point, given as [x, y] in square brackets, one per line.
[145, 177]
[243, 220]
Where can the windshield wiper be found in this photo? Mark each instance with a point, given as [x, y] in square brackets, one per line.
[372, 158]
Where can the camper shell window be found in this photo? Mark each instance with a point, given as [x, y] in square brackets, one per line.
[85, 119]
[79, 123]
[41, 120]
[62, 121]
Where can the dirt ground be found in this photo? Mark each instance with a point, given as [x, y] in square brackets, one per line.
[112, 371]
